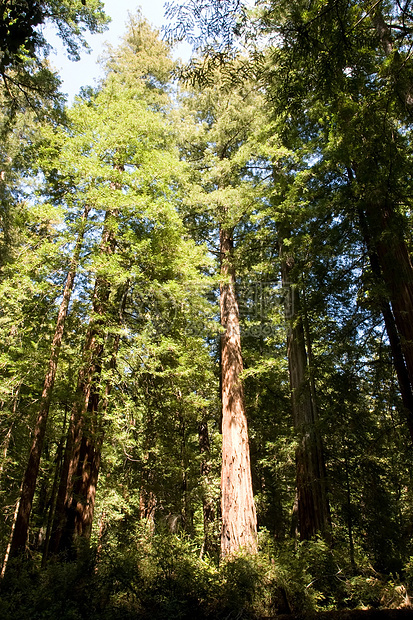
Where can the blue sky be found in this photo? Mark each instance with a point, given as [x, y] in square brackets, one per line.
[84, 73]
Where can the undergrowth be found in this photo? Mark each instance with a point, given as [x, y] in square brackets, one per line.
[160, 577]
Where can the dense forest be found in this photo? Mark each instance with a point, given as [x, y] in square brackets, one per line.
[206, 317]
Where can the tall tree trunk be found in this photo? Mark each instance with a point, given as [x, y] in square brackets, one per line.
[312, 502]
[382, 230]
[84, 489]
[84, 408]
[147, 504]
[7, 554]
[83, 411]
[349, 510]
[19, 538]
[187, 512]
[5, 447]
[208, 507]
[403, 378]
[84, 492]
[239, 521]
[386, 240]
[59, 454]
[398, 351]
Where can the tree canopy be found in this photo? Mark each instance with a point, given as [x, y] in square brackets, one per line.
[206, 352]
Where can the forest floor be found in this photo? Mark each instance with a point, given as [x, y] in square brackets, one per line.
[351, 614]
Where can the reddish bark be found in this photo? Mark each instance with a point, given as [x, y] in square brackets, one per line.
[21, 525]
[59, 455]
[85, 406]
[239, 522]
[84, 491]
[312, 502]
[84, 411]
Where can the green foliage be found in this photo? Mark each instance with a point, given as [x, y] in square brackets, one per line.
[27, 84]
[158, 577]
[161, 576]
[270, 159]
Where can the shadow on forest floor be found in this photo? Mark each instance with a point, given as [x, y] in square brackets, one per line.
[350, 614]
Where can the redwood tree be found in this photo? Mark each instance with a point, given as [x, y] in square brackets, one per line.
[123, 151]
[82, 452]
[239, 521]
[312, 503]
[21, 524]
[339, 83]
[221, 148]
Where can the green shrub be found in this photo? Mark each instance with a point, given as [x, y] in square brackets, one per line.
[160, 576]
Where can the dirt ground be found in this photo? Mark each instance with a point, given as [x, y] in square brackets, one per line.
[353, 614]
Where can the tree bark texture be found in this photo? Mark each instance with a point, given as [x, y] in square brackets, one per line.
[239, 521]
[84, 406]
[312, 501]
[7, 554]
[59, 455]
[403, 378]
[397, 270]
[382, 231]
[389, 316]
[92, 441]
[79, 449]
[30, 476]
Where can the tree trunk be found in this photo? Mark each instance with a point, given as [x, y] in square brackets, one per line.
[7, 554]
[312, 502]
[382, 230]
[399, 365]
[349, 509]
[147, 507]
[84, 492]
[53, 497]
[18, 542]
[208, 507]
[187, 512]
[84, 406]
[399, 359]
[396, 349]
[84, 409]
[397, 272]
[239, 521]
